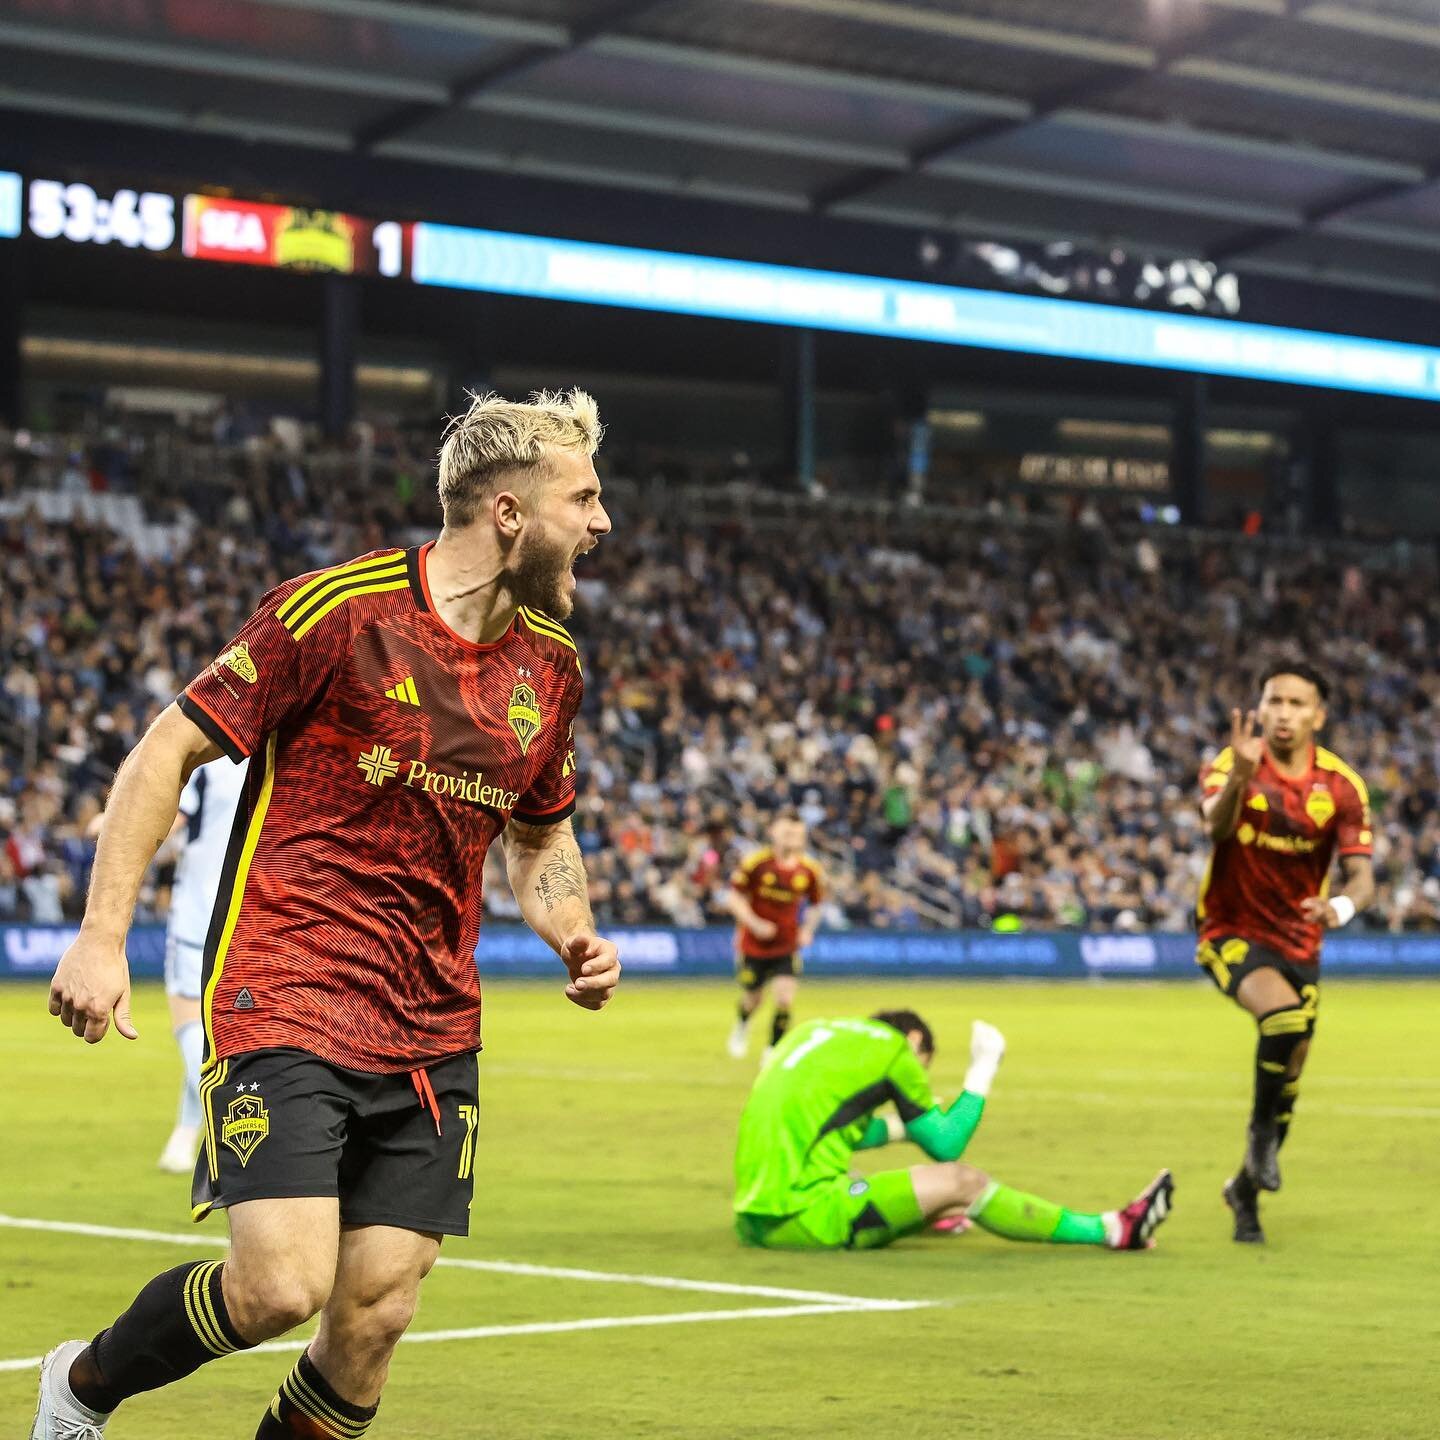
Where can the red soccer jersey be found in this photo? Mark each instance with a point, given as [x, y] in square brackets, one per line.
[389, 753]
[1280, 853]
[776, 889]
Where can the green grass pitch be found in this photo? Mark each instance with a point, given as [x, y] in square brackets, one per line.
[605, 1146]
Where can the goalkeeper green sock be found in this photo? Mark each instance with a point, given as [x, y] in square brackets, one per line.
[1017, 1216]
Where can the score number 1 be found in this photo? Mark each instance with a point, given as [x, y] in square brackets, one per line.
[389, 239]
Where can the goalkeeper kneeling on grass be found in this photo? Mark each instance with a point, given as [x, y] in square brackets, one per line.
[813, 1106]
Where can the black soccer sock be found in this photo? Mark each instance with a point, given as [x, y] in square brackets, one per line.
[307, 1405]
[1244, 1186]
[1280, 1032]
[743, 1013]
[1289, 1093]
[176, 1324]
[779, 1025]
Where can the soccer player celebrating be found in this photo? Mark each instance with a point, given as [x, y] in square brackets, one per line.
[814, 1105]
[1278, 808]
[401, 712]
[768, 893]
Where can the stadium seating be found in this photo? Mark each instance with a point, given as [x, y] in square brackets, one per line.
[981, 715]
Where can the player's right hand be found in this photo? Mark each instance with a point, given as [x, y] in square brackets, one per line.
[91, 982]
[1246, 743]
[761, 929]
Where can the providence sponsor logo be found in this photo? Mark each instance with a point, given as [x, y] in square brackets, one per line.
[379, 764]
[464, 786]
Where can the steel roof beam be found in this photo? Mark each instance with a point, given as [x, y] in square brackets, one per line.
[953, 25]
[1062, 98]
[201, 60]
[1174, 202]
[463, 91]
[642, 122]
[447, 18]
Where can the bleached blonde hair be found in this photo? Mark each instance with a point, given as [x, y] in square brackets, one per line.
[496, 437]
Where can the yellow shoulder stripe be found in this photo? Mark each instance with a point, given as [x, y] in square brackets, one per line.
[1224, 761]
[1329, 760]
[351, 592]
[353, 568]
[544, 625]
[755, 858]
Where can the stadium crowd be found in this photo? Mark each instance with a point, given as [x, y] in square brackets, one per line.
[984, 723]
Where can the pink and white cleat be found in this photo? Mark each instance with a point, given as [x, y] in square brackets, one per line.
[951, 1225]
[1134, 1227]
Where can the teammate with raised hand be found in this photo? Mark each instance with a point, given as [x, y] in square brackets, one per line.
[1278, 808]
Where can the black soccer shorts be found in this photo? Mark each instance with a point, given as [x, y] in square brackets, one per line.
[754, 974]
[1228, 959]
[396, 1149]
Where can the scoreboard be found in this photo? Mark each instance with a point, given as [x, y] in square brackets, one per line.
[292, 237]
[205, 227]
[233, 230]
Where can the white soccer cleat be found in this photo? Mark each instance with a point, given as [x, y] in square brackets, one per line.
[765, 1055]
[739, 1039]
[59, 1415]
[178, 1156]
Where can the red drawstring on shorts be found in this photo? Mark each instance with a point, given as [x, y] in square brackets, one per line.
[426, 1093]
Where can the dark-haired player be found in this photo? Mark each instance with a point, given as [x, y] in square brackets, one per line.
[401, 713]
[813, 1105]
[1279, 808]
[774, 896]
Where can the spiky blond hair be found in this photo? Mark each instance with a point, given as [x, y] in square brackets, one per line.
[495, 437]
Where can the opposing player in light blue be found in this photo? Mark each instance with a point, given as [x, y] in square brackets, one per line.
[207, 814]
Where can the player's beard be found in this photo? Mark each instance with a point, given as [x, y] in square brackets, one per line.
[539, 574]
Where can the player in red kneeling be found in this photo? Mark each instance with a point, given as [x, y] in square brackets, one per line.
[1278, 808]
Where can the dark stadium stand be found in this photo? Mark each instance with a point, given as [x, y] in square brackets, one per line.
[982, 715]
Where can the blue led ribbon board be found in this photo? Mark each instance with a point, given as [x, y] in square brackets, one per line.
[508, 264]
[10, 191]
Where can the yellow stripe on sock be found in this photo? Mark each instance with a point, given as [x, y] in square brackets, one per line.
[1286, 1022]
[303, 1396]
[196, 1309]
[208, 1302]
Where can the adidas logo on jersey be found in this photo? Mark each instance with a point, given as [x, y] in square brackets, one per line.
[244, 1000]
[404, 692]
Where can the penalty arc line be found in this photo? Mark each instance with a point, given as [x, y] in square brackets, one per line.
[500, 1267]
[558, 1327]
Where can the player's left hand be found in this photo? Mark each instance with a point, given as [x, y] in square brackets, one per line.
[1319, 912]
[594, 966]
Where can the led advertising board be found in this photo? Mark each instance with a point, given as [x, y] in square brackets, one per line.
[10, 189]
[250, 232]
[909, 310]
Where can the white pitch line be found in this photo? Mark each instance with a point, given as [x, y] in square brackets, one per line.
[502, 1267]
[559, 1327]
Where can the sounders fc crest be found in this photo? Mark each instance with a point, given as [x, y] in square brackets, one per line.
[523, 713]
[246, 1124]
[1320, 807]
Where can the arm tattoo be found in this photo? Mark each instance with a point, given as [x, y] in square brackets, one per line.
[563, 878]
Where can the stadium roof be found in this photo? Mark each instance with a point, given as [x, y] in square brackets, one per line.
[1297, 138]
